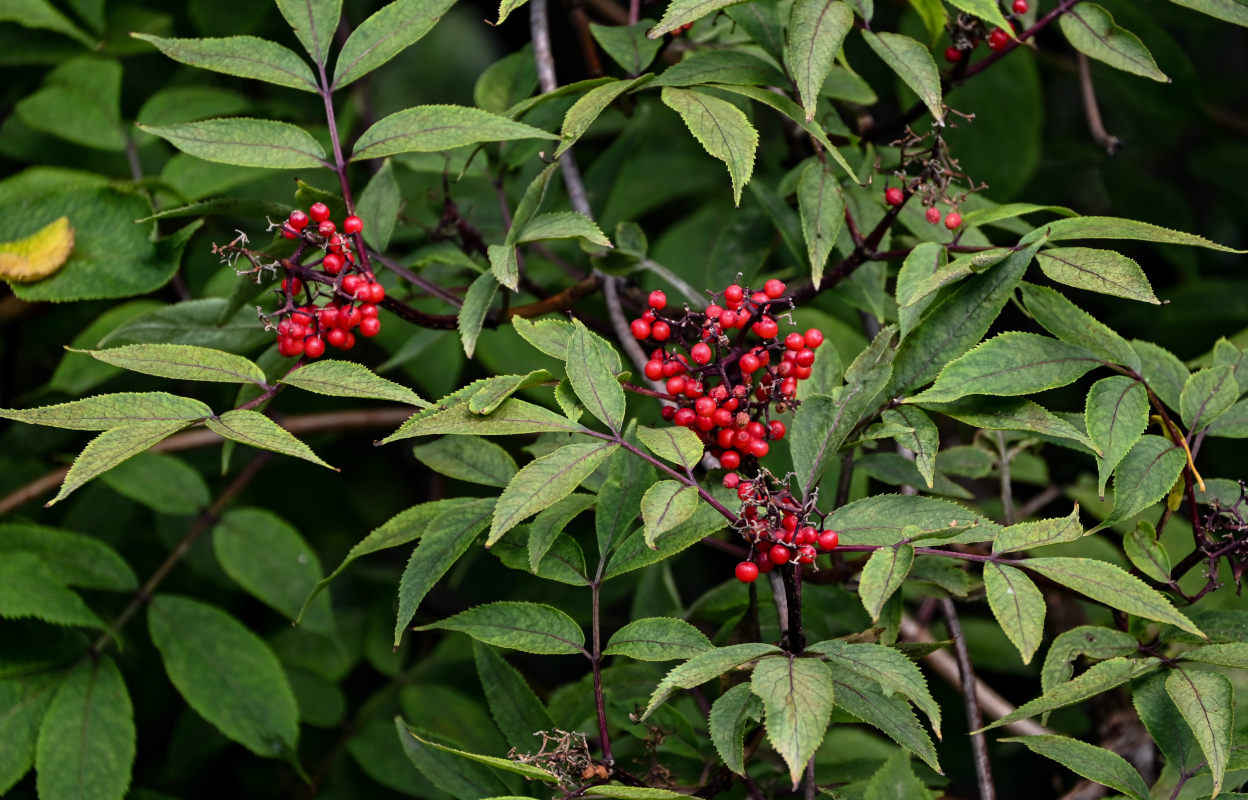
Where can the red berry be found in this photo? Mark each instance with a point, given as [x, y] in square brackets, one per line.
[773, 288]
[657, 300]
[814, 338]
[368, 310]
[668, 413]
[298, 220]
[802, 373]
[733, 295]
[676, 384]
[766, 328]
[318, 212]
[894, 196]
[745, 491]
[795, 341]
[1020, 6]
[337, 337]
[352, 224]
[759, 447]
[828, 540]
[952, 220]
[349, 317]
[731, 480]
[333, 263]
[370, 326]
[749, 363]
[684, 417]
[660, 331]
[292, 285]
[933, 214]
[314, 347]
[654, 369]
[350, 342]
[775, 429]
[701, 353]
[376, 292]
[807, 535]
[351, 284]
[672, 367]
[747, 572]
[953, 55]
[778, 554]
[998, 39]
[328, 316]
[730, 459]
[704, 407]
[806, 554]
[326, 228]
[641, 330]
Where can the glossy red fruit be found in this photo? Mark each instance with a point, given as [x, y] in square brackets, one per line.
[314, 347]
[641, 330]
[745, 491]
[952, 220]
[730, 459]
[658, 299]
[684, 417]
[349, 317]
[376, 292]
[759, 448]
[731, 480]
[292, 285]
[933, 214]
[352, 224]
[337, 337]
[368, 310]
[318, 212]
[676, 384]
[1020, 6]
[701, 353]
[894, 196]
[773, 288]
[749, 363]
[370, 326]
[953, 55]
[828, 540]
[661, 331]
[326, 228]
[298, 220]
[733, 295]
[775, 430]
[807, 535]
[779, 554]
[333, 263]
[814, 338]
[766, 328]
[747, 572]
[350, 342]
[351, 284]
[806, 554]
[998, 39]
[704, 407]
[795, 341]
[654, 370]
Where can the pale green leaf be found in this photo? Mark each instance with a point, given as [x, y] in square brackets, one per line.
[591, 377]
[1144, 477]
[816, 30]
[798, 698]
[256, 430]
[1091, 30]
[587, 109]
[1165, 373]
[468, 458]
[1026, 535]
[711, 66]
[719, 126]
[226, 673]
[1206, 395]
[349, 379]
[562, 225]
[1206, 701]
[493, 391]
[1230, 654]
[529, 771]
[1099, 678]
[29, 588]
[1062, 318]
[1118, 228]
[244, 142]
[922, 440]
[528, 627]
[793, 112]
[880, 519]
[1111, 585]
[704, 666]
[889, 667]
[544, 481]
[106, 411]
[882, 575]
[678, 445]
[42, 14]
[1101, 271]
[822, 209]
[1094, 763]
[73, 558]
[987, 10]
[1012, 414]
[1116, 416]
[658, 639]
[633, 553]
[1018, 606]
[665, 505]
[434, 128]
[385, 34]
[1235, 11]
[87, 739]
[242, 56]
[1146, 553]
[924, 261]
[314, 23]
[511, 417]
[504, 265]
[913, 64]
[475, 309]
[956, 270]
[182, 362]
[456, 777]
[682, 12]
[730, 716]
[1011, 364]
[111, 448]
[1097, 644]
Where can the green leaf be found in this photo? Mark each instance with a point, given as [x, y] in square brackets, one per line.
[1062, 318]
[822, 209]
[798, 698]
[730, 716]
[633, 553]
[348, 379]
[1026, 535]
[256, 430]
[1163, 371]
[913, 64]
[592, 379]
[505, 7]
[1233, 424]
[23, 704]
[314, 23]
[1091, 30]
[1206, 395]
[794, 112]
[504, 265]
[882, 575]
[550, 523]
[72, 558]
[1206, 701]
[528, 627]
[924, 261]
[953, 272]
[87, 739]
[1116, 416]
[889, 713]
[1096, 643]
[511, 417]
[41, 14]
[1145, 475]
[226, 673]
[111, 448]
[987, 10]
[445, 538]
[475, 309]
[1112, 586]
[544, 481]
[529, 771]
[468, 458]
[434, 128]
[894, 779]
[1018, 606]
[79, 102]
[678, 445]
[513, 705]
[682, 12]
[587, 109]
[1117, 228]
[635, 793]
[243, 56]
[817, 29]
[30, 588]
[385, 34]
[923, 440]
[563, 561]
[704, 666]
[1146, 553]
[666, 505]
[1101, 271]
[266, 556]
[619, 498]
[719, 126]
[379, 204]
[208, 322]
[1228, 10]
[1099, 678]
[627, 45]
[658, 639]
[182, 362]
[491, 392]
[244, 142]
[1011, 414]
[883, 665]
[107, 411]
[1011, 364]
[457, 777]
[562, 225]
[1163, 722]
[1231, 654]
[1094, 763]
[880, 519]
[700, 67]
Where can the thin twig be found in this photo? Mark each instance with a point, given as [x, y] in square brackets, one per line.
[979, 745]
[1007, 487]
[1092, 109]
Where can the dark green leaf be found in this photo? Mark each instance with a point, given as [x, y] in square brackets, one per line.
[987, 10]
[797, 696]
[700, 67]
[587, 109]
[256, 430]
[23, 703]
[633, 553]
[544, 481]
[883, 574]
[627, 45]
[1094, 763]
[1112, 586]
[913, 64]
[1092, 31]
[1011, 364]
[1205, 700]
[822, 209]
[379, 204]
[889, 667]
[458, 777]
[1163, 722]
[385, 34]
[468, 458]
[1062, 318]
[619, 498]
[244, 142]
[1018, 606]
[1145, 476]
[1012, 414]
[111, 448]
[550, 523]
[431, 129]
[87, 740]
[592, 379]
[528, 627]
[704, 666]
[1165, 373]
[243, 56]
[729, 718]
[1096, 643]
[816, 30]
[1099, 678]
[1116, 416]
[682, 12]
[1206, 395]
[895, 779]
[529, 771]
[658, 639]
[1229, 10]
[314, 23]
[30, 588]
[1101, 271]
[889, 713]
[1146, 553]
[72, 558]
[514, 707]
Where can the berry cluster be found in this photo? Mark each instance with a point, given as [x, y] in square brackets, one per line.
[997, 37]
[777, 528]
[895, 197]
[350, 290]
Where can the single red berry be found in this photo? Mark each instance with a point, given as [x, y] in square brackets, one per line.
[654, 369]
[693, 390]
[328, 316]
[766, 328]
[288, 233]
[953, 55]
[684, 417]
[795, 341]
[745, 491]
[747, 572]
[318, 212]
[701, 353]
[894, 196]
[337, 337]
[661, 331]
[349, 317]
[773, 288]
[749, 363]
[998, 39]
[806, 554]
[658, 300]
[641, 330]
[676, 384]
[314, 347]
[292, 285]
[370, 326]
[672, 367]
[333, 263]
[802, 373]
[350, 341]
[376, 292]
[1020, 6]
[668, 413]
[351, 284]
[775, 430]
[759, 447]
[352, 224]
[828, 540]
[704, 407]
[326, 228]
[731, 480]
[952, 220]
[933, 214]
[298, 220]
[807, 535]
[778, 554]
[733, 295]
[814, 338]
[730, 459]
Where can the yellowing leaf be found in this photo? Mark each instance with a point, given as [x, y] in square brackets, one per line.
[39, 255]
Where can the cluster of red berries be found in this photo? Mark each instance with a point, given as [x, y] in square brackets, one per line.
[725, 383]
[895, 197]
[772, 524]
[997, 37]
[352, 291]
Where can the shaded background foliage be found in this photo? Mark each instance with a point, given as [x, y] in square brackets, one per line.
[1184, 154]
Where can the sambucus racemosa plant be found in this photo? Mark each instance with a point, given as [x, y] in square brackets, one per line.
[863, 485]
